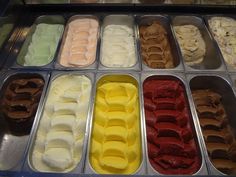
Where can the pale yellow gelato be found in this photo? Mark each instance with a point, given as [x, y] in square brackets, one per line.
[59, 141]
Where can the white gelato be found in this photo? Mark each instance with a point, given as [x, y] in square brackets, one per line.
[224, 31]
[118, 49]
[59, 141]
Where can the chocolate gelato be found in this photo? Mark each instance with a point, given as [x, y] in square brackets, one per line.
[20, 101]
[155, 46]
[219, 138]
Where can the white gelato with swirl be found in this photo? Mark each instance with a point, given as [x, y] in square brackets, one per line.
[224, 32]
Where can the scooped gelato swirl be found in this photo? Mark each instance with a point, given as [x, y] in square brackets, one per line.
[191, 43]
[115, 144]
[80, 46]
[172, 148]
[118, 49]
[155, 46]
[59, 141]
[219, 138]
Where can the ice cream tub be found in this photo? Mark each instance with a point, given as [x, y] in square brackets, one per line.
[80, 44]
[21, 98]
[214, 106]
[222, 28]
[59, 141]
[118, 124]
[118, 50]
[35, 52]
[158, 51]
[165, 115]
[6, 30]
[202, 55]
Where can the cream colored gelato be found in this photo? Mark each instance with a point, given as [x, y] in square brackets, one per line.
[118, 49]
[224, 31]
[191, 43]
[80, 46]
[59, 141]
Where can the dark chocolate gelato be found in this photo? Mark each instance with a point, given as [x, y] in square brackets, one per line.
[219, 138]
[20, 101]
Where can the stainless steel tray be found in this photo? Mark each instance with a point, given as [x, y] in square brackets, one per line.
[207, 18]
[28, 166]
[49, 19]
[5, 43]
[221, 84]
[194, 126]
[118, 77]
[233, 81]
[14, 146]
[94, 64]
[212, 60]
[4, 21]
[164, 20]
[120, 20]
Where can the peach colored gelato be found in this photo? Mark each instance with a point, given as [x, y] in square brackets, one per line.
[80, 45]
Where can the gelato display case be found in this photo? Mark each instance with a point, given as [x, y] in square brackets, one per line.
[117, 87]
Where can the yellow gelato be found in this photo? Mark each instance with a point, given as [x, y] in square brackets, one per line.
[116, 142]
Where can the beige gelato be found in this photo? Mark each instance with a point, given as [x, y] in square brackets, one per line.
[191, 43]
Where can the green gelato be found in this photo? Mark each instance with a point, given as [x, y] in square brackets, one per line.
[43, 45]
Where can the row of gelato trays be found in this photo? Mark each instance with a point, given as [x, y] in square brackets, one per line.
[126, 42]
[117, 123]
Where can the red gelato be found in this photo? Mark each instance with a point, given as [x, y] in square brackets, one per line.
[171, 146]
